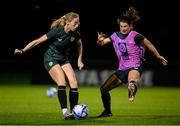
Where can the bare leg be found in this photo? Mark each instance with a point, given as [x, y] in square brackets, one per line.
[111, 83]
[58, 76]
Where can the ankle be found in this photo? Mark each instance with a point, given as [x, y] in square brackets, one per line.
[64, 110]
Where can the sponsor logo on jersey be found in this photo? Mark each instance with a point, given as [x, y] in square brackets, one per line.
[59, 39]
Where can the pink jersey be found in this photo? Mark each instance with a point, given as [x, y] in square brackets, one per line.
[129, 53]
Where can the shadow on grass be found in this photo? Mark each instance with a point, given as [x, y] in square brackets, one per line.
[55, 119]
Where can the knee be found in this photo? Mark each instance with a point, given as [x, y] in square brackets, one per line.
[103, 89]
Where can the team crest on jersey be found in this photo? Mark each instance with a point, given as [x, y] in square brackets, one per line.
[50, 63]
[72, 39]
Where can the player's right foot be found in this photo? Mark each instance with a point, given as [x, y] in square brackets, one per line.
[132, 89]
[105, 114]
[68, 116]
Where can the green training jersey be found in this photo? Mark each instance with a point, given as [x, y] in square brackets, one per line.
[61, 39]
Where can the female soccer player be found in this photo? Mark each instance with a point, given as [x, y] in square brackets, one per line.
[62, 34]
[129, 46]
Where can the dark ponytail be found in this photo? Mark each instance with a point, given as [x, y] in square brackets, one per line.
[130, 16]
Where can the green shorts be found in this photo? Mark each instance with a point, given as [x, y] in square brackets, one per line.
[123, 75]
[52, 59]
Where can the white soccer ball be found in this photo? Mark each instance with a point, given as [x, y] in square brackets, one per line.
[51, 91]
[80, 111]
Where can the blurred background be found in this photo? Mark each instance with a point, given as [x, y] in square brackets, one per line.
[23, 21]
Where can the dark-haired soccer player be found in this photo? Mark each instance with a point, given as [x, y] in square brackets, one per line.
[129, 46]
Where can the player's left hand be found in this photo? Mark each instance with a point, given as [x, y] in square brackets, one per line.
[80, 65]
[163, 60]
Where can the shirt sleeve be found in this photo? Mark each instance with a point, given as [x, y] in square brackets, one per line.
[52, 33]
[112, 37]
[139, 39]
[78, 36]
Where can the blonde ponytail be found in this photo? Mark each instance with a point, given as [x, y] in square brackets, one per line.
[62, 21]
[58, 22]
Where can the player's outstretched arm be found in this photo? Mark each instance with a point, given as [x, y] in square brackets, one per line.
[150, 46]
[102, 39]
[31, 45]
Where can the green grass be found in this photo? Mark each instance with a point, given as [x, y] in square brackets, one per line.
[29, 105]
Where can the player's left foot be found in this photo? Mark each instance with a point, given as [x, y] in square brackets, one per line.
[105, 114]
[132, 89]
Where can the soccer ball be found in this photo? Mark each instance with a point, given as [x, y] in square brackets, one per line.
[51, 91]
[80, 111]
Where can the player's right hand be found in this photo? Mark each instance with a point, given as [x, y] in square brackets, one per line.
[101, 36]
[18, 52]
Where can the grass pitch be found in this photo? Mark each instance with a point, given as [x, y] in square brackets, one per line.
[29, 105]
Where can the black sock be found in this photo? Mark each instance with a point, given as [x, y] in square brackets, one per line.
[62, 96]
[106, 99]
[73, 97]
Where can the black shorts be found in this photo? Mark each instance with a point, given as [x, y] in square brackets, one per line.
[123, 75]
[51, 60]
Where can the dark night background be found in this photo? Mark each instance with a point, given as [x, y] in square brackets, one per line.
[23, 21]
